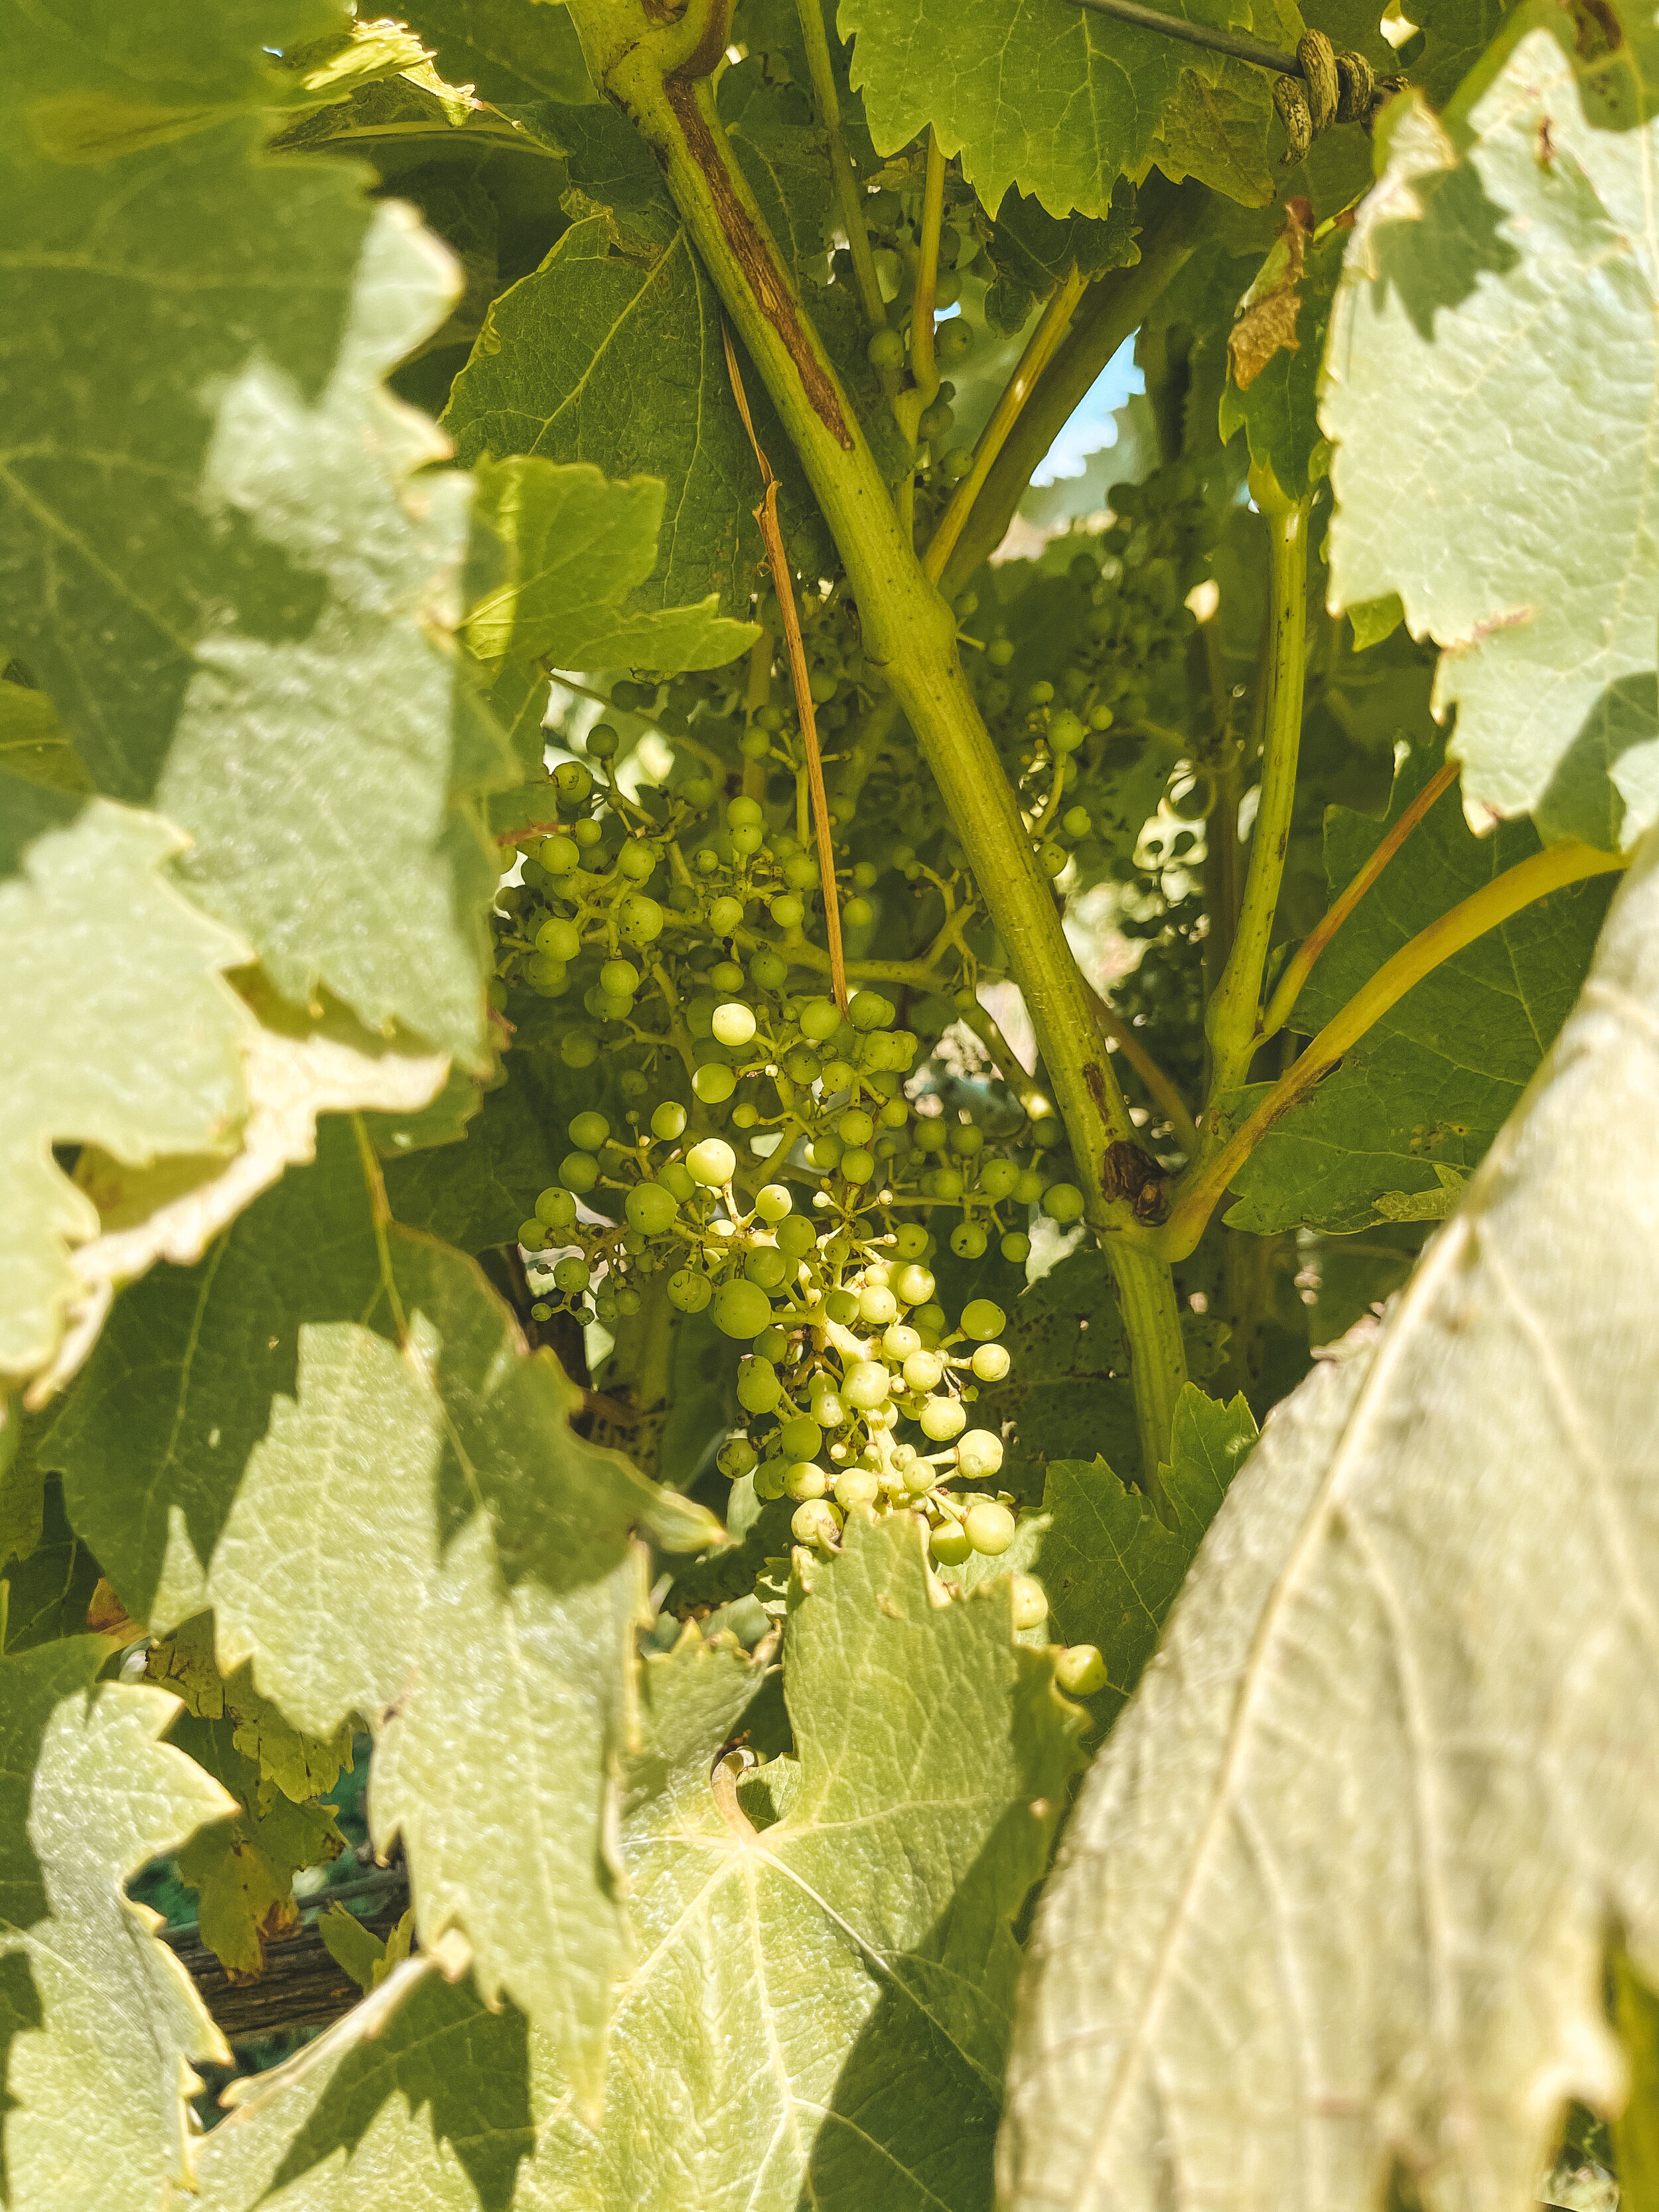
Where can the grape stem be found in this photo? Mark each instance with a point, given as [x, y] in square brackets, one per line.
[1493, 903]
[911, 404]
[766, 515]
[1040, 350]
[1301, 966]
[1232, 1015]
[816, 41]
[909, 635]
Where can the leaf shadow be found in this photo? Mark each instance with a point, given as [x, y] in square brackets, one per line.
[1435, 259]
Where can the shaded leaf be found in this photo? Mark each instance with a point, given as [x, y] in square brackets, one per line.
[1275, 353]
[1426, 1090]
[505, 50]
[1361, 1915]
[101, 2018]
[329, 1432]
[48, 1589]
[1508, 289]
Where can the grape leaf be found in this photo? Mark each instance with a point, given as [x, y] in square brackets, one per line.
[1509, 289]
[801, 2026]
[32, 745]
[329, 1432]
[122, 1032]
[504, 49]
[49, 1584]
[1276, 351]
[301, 1767]
[1059, 103]
[576, 546]
[1361, 1915]
[215, 562]
[100, 2021]
[1428, 1086]
[1110, 1566]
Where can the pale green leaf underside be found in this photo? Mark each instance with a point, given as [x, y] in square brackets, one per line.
[100, 2019]
[120, 1031]
[576, 546]
[329, 1432]
[1428, 1088]
[1412, 1680]
[1492, 391]
[211, 555]
[1043, 95]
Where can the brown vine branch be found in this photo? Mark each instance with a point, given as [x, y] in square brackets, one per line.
[766, 515]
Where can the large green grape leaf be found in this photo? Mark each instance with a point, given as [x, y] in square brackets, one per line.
[506, 49]
[329, 1431]
[819, 2010]
[1431, 1084]
[1110, 1566]
[1507, 291]
[576, 546]
[213, 556]
[98, 2022]
[121, 1031]
[50, 1579]
[1059, 102]
[1338, 1887]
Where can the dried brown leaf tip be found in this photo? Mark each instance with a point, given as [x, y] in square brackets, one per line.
[1265, 322]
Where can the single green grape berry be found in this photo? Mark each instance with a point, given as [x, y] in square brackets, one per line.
[787, 910]
[825, 1150]
[725, 915]
[697, 791]
[754, 744]
[865, 873]
[937, 422]
[858, 913]
[758, 1387]
[745, 1117]
[930, 1320]
[706, 860]
[560, 855]
[746, 840]
[855, 1127]
[895, 1114]
[714, 1083]
[767, 972]
[856, 1486]
[668, 1121]
[652, 1208]
[1040, 693]
[948, 1543]
[689, 1291]
[628, 1301]
[573, 782]
[725, 975]
[1016, 1246]
[1029, 1187]
[1030, 1604]
[1066, 731]
[909, 1243]
[773, 1201]
[918, 1476]
[745, 814]
[922, 1369]
[866, 1385]
[589, 1131]
[742, 1310]
[737, 1456]
[979, 1454]
[619, 979]
[579, 1171]
[877, 1305]
[997, 1178]
[999, 651]
[560, 940]
[803, 1480]
[572, 1275]
[735, 1023]
[886, 349]
[640, 919]
[533, 1234]
[587, 833]
[899, 1340]
[868, 1010]
[945, 1183]
[796, 1237]
[991, 1362]
[714, 1163]
[541, 1311]
[942, 1418]
[767, 1267]
[915, 1284]
[801, 1438]
[1080, 1671]
[816, 1522]
[954, 343]
[1062, 1202]
[801, 1064]
[772, 1343]
[637, 860]
[602, 741]
[982, 1319]
[857, 1164]
[819, 1019]
[556, 1207]
[1077, 822]
[968, 1240]
[988, 1527]
[967, 1140]
[842, 1308]
[1052, 860]
[674, 1175]
[768, 1478]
